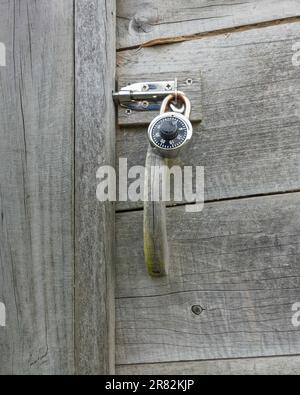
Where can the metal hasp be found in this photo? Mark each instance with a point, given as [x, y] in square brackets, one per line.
[139, 100]
[145, 96]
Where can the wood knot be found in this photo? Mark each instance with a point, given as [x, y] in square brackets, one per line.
[197, 309]
[140, 25]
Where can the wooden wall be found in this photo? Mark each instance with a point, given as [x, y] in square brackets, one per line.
[226, 305]
[56, 128]
[236, 264]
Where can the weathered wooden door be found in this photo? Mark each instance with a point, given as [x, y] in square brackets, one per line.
[75, 296]
[228, 300]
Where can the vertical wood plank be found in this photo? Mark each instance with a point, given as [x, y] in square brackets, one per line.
[94, 223]
[36, 185]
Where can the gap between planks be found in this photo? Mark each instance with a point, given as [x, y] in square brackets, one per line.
[211, 360]
[262, 365]
[129, 210]
[198, 36]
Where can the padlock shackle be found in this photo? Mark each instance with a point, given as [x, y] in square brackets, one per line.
[181, 96]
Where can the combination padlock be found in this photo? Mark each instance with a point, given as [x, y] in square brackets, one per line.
[171, 131]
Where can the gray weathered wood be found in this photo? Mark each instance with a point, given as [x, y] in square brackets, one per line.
[36, 184]
[248, 141]
[94, 222]
[233, 278]
[169, 20]
[156, 248]
[276, 366]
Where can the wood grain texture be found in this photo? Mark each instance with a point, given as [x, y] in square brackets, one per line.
[156, 249]
[248, 141]
[276, 366]
[157, 20]
[233, 279]
[36, 183]
[94, 222]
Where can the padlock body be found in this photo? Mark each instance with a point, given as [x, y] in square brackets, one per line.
[169, 133]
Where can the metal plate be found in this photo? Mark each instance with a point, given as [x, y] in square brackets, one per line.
[188, 82]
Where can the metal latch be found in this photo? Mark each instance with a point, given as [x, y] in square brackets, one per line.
[145, 96]
[139, 102]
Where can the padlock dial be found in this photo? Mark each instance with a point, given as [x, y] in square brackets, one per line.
[169, 132]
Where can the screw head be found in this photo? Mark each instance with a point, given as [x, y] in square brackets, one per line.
[128, 111]
[145, 88]
[168, 87]
[189, 81]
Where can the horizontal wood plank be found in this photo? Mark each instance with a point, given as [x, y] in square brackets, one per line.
[248, 141]
[233, 279]
[36, 186]
[276, 366]
[157, 20]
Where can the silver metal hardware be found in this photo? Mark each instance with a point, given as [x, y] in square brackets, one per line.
[145, 96]
[170, 131]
